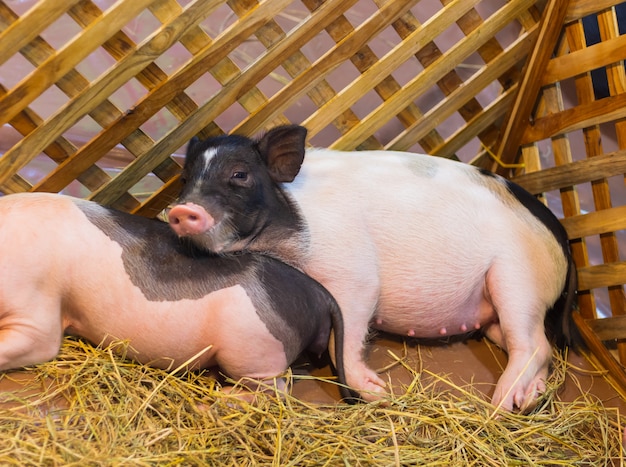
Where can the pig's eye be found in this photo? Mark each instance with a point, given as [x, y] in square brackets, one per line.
[241, 176]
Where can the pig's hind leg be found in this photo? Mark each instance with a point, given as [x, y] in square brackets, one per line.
[520, 332]
[247, 389]
[29, 334]
[256, 363]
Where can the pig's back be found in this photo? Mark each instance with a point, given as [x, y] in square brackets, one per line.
[34, 227]
[427, 228]
[400, 201]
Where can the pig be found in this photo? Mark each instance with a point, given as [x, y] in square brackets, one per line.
[72, 266]
[408, 244]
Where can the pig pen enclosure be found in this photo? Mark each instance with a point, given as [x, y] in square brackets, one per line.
[98, 99]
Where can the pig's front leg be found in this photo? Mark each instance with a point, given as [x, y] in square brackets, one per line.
[358, 303]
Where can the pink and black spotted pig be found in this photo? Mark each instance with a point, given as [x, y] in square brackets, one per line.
[407, 243]
[73, 266]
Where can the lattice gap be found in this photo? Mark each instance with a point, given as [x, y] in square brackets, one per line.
[407, 70]
[324, 137]
[509, 33]
[14, 70]
[362, 11]
[387, 132]
[145, 187]
[48, 102]
[221, 19]
[82, 131]
[127, 95]
[175, 57]
[291, 16]
[229, 119]
[142, 26]
[36, 170]
[62, 31]
[95, 64]
[449, 38]
[429, 99]
[160, 124]
[203, 88]
[317, 47]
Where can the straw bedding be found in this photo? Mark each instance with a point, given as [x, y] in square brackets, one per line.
[91, 407]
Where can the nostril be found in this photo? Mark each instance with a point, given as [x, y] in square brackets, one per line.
[189, 219]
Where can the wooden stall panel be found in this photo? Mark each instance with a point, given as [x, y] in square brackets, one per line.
[574, 137]
[99, 97]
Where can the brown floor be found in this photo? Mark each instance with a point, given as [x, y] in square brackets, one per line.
[477, 362]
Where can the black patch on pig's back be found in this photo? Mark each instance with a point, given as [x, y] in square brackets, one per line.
[486, 173]
[535, 207]
[541, 212]
[159, 265]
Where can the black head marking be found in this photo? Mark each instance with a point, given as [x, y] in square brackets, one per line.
[158, 264]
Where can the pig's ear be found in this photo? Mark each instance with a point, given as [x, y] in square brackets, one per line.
[282, 149]
[193, 142]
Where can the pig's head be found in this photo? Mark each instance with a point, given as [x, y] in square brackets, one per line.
[231, 198]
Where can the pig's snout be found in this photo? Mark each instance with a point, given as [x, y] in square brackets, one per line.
[190, 219]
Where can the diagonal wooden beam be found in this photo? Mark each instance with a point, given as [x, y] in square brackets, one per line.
[519, 117]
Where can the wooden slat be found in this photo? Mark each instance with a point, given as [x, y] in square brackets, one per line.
[582, 61]
[600, 351]
[601, 275]
[518, 117]
[574, 173]
[610, 328]
[579, 117]
[596, 222]
[577, 9]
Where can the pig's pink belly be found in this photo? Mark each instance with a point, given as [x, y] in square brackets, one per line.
[436, 317]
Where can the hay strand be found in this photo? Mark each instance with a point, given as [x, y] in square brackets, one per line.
[90, 407]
